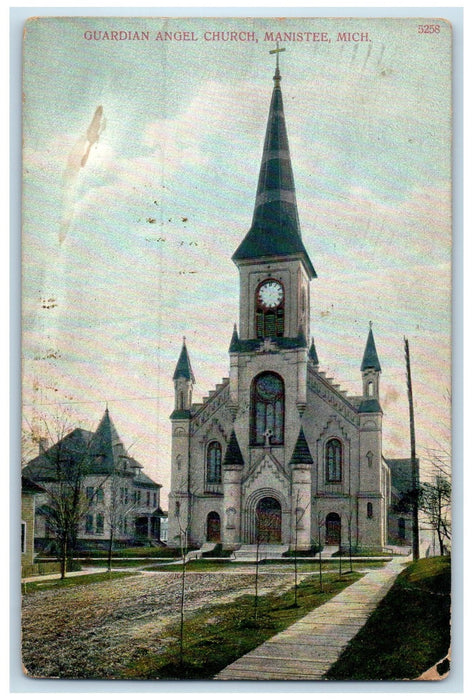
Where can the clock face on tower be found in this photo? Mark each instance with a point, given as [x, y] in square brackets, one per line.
[270, 294]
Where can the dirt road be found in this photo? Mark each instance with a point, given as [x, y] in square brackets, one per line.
[94, 631]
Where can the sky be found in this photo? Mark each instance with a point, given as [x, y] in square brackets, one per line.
[140, 166]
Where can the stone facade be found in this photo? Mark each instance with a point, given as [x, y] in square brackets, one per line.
[277, 452]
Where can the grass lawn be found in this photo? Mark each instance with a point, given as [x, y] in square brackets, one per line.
[408, 632]
[288, 564]
[84, 580]
[116, 563]
[219, 634]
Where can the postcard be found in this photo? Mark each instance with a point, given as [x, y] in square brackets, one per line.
[236, 348]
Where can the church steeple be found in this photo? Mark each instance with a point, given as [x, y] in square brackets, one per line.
[184, 380]
[183, 367]
[370, 371]
[370, 357]
[275, 230]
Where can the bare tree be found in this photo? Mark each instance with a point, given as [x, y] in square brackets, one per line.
[119, 507]
[298, 515]
[435, 503]
[61, 471]
[320, 524]
[183, 542]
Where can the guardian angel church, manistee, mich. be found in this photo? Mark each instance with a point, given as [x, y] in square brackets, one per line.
[277, 453]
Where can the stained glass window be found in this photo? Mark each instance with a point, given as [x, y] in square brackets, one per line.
[267, 414]
[214, 463]
[333, 460]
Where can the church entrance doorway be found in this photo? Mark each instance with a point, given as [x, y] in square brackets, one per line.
[333, 529]
[213, 527]
[268, 521]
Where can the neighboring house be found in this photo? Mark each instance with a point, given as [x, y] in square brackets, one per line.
[278, 452]
[115, 493]
[29, 492]
[400, 512]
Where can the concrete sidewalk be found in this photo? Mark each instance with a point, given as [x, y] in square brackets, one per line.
[308, 648]
[69, 574]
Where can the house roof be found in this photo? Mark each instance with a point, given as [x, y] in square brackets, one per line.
[28, 486]
[92, 453]
[144, 480]
[275, 229]
[106, 448]
[66, 455]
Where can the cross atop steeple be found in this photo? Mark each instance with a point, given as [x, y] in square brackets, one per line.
[277, 75]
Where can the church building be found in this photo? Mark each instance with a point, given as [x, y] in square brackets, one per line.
[277, 452]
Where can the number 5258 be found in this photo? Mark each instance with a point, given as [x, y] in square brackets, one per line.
[428, 29]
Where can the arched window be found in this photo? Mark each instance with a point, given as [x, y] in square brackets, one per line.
[369, 459]
[269, 307]
[267, 410]
[214, 463]
[333, 461]
[370, 389]
[369, 510]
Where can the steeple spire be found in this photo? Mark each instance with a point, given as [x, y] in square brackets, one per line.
[183, 367]
[370, 357]
[275, 230]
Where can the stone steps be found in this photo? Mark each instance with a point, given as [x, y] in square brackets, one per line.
[248, 552]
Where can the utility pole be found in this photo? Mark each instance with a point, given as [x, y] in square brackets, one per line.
[414, 469]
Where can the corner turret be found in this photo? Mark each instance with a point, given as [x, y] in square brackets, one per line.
[184, 381]
[370, 371]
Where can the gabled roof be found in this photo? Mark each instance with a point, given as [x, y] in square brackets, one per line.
[370, 357]
[275, 230]
[69, 453]
[183, 367]
[142, 480]
[301, 453]
[84, 452]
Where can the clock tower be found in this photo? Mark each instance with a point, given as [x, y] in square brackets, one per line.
[275, 269]
[269, 354]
